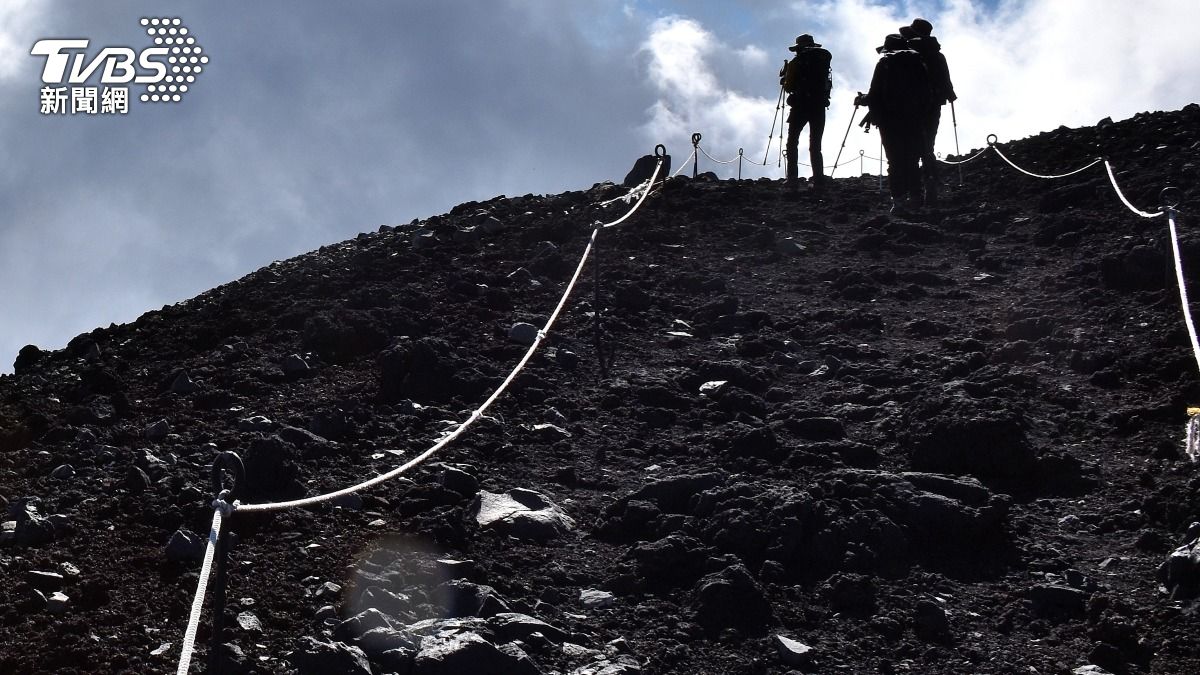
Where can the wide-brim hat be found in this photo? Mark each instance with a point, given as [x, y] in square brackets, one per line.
[892, 43]
[923, 27]
[802, 42]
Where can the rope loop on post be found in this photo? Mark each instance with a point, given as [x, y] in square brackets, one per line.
[1168, 198]
[228, 461]
[992, 139]
[660, 150]
[696, 139]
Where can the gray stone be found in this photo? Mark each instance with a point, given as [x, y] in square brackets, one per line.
[44, 581]
[461, 598]
[511, 626]
[731, 599]
[327, 591]
[521, 513]
[249, 622]
[793, 653]
[185, 547]
[294, 365]
[1057, 599]
[256, 423]
[457, 569]
[157, 431]
[713, 387]
[1090, 670]
[360, 624]
[596, 599]
[136, 481]
[549, 433]
[458, 479]
[183, 384]
[8, 532]
[523, 333]
[350, 502]
[62, 472]
[31, 601]
[58, 603]
[930, 621]
[34, 530]
[620, 665]
[454, 654]
[315, 656]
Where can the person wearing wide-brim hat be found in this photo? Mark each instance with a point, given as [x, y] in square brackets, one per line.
[807, 79]
[899, 102]
[924, 43]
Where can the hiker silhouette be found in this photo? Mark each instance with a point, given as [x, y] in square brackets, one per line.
[807, 79]
[920, 37]
[899, 100]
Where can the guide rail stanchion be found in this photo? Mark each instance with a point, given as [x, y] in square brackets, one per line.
[861, 166]
[232, 463]
[696, 157]
[740, 153]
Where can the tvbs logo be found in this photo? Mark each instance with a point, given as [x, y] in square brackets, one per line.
[167, 69]
[118, 63]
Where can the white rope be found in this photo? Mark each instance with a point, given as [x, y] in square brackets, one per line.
[684, 164]
[189, 635]
[714, 159]
[1183, 296]
[1113, 179]
[1038, 175]
[964, 161]
[308, 501]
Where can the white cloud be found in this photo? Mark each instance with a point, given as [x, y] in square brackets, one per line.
[15, 18]
[1019, 68]
[683, 61]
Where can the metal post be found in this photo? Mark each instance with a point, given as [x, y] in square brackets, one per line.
[695, 154]
[226, 461]
[597, 327]
[861, 169]
[739, 163]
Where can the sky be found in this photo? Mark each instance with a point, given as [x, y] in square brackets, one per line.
[312, 122]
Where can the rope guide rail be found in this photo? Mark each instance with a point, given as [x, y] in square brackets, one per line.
[226, 504]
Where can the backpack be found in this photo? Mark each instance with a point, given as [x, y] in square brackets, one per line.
[808, 77]
[901, 87]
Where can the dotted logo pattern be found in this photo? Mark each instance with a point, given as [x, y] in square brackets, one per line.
[185, 60]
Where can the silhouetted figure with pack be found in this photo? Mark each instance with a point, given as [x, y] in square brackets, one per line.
[930, 50]
[807, 79]
[899, 101]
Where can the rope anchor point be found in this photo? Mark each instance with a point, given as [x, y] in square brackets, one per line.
[1169, 199]
[992, 139]
[696, 139]
[228, 461]
[660, 150]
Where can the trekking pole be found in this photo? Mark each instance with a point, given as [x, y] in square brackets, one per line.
[881, 162]
[957, 153]
[839, 155]
[771, 134]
